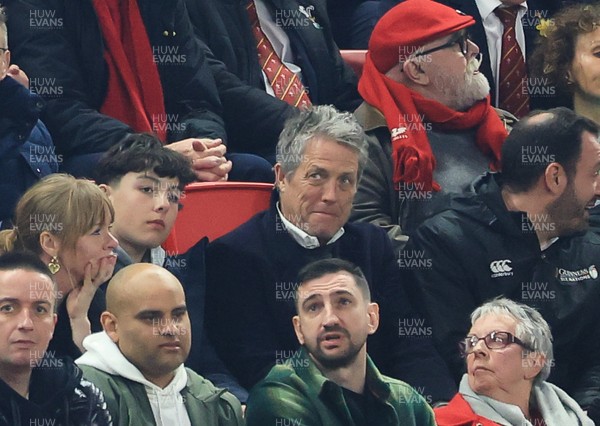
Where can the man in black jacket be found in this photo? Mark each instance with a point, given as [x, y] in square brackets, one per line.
[300, 34]
[521, 235]
[35, 387]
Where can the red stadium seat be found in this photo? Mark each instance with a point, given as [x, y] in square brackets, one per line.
[213, 209]
[354, 58]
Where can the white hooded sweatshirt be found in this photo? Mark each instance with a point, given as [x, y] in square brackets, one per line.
[167, 403]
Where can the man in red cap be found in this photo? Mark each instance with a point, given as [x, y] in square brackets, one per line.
[428, 116]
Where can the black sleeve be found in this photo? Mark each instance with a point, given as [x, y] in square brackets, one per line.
[586, 389]
[440, 286]
[190, 269]
[254, 119]
[190, 91]
[238, 320]
[403, 345]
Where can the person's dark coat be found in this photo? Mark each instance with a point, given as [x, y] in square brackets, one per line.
[26, 150]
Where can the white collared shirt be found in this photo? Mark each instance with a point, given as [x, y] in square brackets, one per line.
[493, 34]
[305, 240]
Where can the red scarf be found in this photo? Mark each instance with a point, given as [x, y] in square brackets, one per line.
[134, 95]
[411, 152]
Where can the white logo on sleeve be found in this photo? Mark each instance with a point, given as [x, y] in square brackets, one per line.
[398, 133]
[501, 268]
[566, 276]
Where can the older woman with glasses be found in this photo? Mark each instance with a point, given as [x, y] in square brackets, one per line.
[509, 356]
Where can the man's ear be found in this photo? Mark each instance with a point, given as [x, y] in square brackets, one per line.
[110, 325]
[555, 178]
[50, 243]
[298, 329]
[279, 177]
[373, 313]
[54, 321]
[414, 72]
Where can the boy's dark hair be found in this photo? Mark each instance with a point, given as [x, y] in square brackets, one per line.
[323, 267]
[533, 144]
[143, 152]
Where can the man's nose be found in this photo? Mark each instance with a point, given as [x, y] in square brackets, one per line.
[25, 320]
[329, 189]
[330, 317]
[472, 49]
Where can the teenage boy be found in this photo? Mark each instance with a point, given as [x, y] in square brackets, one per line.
[145, 181]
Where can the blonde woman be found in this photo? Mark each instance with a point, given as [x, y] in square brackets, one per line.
[66, 222]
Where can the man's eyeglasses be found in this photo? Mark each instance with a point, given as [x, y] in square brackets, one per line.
[4, 49]
[494, 340]
[462, 39]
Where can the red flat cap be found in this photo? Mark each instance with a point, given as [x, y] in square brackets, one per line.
[408, 26]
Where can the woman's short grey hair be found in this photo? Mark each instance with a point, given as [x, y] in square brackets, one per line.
[532, 329]
[323, 121]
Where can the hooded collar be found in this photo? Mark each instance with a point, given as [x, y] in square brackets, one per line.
[167, 403]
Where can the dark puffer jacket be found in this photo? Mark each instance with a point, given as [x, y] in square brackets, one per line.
[58, 396]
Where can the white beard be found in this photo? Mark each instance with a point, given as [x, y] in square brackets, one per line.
[462, 95]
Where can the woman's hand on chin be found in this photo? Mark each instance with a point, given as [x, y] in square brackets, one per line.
[80, 299]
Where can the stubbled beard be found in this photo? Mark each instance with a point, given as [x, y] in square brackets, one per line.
[341, 360]
[567, 213]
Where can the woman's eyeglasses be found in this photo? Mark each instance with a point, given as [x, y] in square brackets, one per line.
[494, 340]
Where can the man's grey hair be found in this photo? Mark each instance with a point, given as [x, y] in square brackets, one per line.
[323, 121]
[3, 29]
[532, 329]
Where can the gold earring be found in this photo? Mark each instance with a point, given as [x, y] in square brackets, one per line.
[54, 266]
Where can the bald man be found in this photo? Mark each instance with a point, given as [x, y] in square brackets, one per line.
[137, 361]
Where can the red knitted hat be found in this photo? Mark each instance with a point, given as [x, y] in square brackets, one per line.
[408, 26]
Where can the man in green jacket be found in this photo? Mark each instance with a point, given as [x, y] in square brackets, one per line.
[332, 381]
[137, 361]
